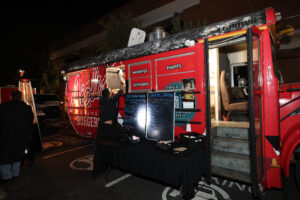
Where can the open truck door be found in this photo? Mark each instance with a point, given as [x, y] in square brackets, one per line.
[255, 115]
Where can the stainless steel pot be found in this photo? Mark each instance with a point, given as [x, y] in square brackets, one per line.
[157, 32]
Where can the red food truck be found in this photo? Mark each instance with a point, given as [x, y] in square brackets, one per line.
[227, 87]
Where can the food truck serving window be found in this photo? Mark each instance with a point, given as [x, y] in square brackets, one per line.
[115, 78]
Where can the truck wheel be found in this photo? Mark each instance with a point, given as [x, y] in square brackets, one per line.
[297, 168]
[297, 176]
[291, 190]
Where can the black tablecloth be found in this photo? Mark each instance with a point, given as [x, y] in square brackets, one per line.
[145, 159]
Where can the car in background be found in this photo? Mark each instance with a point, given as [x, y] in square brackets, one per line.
[47, 106]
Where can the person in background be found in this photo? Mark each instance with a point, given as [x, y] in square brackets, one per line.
[107, 120]
[16, 123]
[188, 85]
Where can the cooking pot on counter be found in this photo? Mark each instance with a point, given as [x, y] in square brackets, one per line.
[157, 32]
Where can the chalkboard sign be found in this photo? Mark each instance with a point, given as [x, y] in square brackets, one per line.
[160, 110]
[135, 114]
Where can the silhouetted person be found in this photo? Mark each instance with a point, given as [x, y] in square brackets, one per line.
[16, 123]
[107, 120]
[108, 114]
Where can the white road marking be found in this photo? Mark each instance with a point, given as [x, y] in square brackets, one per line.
[47, 145]
[52, 136]
[59, 153]
[88, 160]
[117, 180]
[209, 192]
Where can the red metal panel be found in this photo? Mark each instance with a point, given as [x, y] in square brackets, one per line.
[270, 112]
[173, 81]
[140, 84]
[173, 67]
[270, 16]
[140, 74]
[82, 93]
[140, 70]
[289, 99]
[165, 71]
[178, 63]
[5, 94]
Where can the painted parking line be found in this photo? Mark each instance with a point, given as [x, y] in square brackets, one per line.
[51, 144]
[117, 180]
[52, 136]
[67, 151]
[83, 163]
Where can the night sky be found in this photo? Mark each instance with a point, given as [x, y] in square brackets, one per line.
[28, 26]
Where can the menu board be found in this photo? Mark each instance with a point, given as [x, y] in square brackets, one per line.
[135, 114]
[160, 111]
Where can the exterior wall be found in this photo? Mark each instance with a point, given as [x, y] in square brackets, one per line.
[218, 10]
[93, 31]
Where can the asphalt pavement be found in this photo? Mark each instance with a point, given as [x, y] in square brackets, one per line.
[62, 170]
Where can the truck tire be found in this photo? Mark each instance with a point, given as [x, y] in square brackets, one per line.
[298, 174]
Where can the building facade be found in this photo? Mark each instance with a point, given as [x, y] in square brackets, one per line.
[83, 42]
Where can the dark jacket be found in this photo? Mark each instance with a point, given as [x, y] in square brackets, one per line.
[108, 107]
[16, 123]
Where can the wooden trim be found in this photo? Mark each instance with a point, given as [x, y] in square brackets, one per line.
[215, 123]
[231, 34]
